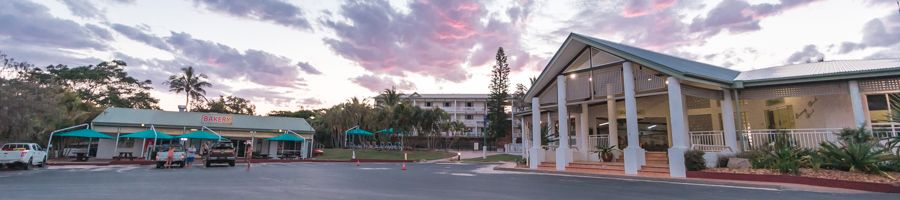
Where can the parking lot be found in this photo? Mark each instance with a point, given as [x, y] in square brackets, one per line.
[347, 181]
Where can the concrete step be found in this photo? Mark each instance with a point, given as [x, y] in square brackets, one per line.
[655, 169]
[597, 166]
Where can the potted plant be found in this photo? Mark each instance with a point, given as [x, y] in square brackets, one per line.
[605, 152]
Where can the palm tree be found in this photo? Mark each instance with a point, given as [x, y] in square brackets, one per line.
[190, 83]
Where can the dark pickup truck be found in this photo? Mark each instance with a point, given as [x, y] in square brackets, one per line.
[221, 152]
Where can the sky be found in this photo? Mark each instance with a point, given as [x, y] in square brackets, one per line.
[292, 54]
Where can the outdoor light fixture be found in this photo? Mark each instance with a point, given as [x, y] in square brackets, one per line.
[603, 124]
[651, 127]
[572, 76]
[142, 124]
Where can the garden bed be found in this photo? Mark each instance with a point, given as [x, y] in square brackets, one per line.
[822, 177]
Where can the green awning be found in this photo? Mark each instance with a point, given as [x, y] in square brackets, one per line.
[200, 135]
[388, 131]
[358, 131]
[148, 134]
[85, 133]
[289, 137]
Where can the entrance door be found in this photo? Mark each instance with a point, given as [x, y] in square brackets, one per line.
[780, 118]
[239, 146]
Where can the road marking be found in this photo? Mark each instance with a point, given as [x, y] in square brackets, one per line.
[462, 174]
[374, 168]
[669, 182]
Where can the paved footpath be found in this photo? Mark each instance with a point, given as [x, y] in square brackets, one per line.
[369, 181]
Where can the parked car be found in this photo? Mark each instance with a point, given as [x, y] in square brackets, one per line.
[221, 152]
[162, 152]
[24, 155]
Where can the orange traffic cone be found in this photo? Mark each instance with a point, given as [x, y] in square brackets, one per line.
[403, 167]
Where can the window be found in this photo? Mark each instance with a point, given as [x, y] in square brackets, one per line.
[427, 104]
[446, 104]
[468, 104]
[469, 117]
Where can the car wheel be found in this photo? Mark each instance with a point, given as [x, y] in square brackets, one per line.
[43, 163]
[159, 165]
[181, 165]
[231, 163]
[207, 164]
[27, 165]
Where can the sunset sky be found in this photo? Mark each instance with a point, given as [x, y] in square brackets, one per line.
[285, 54]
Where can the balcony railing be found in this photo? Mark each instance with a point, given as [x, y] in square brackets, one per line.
[803, 138]
[886, 130]
[708, 138]
[595, 140]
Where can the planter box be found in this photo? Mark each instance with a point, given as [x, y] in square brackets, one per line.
[865, 186]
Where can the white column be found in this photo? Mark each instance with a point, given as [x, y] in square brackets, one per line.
[859, 115]
[562, 152]
[634, 154]
[612, 116]
[680, 142]
[582, 133]
[728, 127]
[534, 159]
[524, 139]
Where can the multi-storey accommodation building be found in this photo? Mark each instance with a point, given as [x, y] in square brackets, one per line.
[470, 109]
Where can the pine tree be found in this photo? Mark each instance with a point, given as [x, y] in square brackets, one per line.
[497, 122]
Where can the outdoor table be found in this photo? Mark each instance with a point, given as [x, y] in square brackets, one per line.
[81, 157]
[125, 155]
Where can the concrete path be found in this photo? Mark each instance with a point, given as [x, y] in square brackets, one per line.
[464, 155]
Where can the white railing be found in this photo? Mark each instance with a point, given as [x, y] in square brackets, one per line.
[712, 138]
[886, 130]
[803, 138]
[595, 140]
[709, 141]
[515, 148]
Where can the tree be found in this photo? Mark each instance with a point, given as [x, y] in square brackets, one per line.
[497, 123]
[190, 83]
[105, 84]
[228, 105]
[31, 108]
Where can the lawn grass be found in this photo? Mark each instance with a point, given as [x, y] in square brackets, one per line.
[346, 154]
[495, 158]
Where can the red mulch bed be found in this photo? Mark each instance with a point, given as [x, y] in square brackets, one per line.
[822, 177]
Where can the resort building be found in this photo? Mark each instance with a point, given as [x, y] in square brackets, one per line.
[470, 109]
[654, 107]
[238, 128]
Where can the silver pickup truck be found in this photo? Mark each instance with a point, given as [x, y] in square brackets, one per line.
[162, 152]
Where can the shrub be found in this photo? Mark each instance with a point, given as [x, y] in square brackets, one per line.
[779, 155]
[857, 150]
[756, 157]
[694, 161]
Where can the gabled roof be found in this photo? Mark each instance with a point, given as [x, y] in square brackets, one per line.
[677, 64]
[697, 71]
[129, 116]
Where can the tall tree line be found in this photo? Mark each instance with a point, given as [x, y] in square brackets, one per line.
[498, 124]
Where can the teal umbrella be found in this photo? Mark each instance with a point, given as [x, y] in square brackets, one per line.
[287, 137]
[200, 135]
[149, 134]
[85, 133]
[388, 131]
[358, 131]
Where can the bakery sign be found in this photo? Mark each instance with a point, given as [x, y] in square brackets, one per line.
[216, 119]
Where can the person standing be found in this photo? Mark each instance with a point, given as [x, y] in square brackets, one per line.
[169, 156]
[248, 154]
[189, 160]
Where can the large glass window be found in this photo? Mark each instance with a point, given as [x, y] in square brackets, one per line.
[879, 109]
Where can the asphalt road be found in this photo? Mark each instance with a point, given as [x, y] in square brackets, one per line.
[369, 181]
